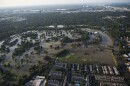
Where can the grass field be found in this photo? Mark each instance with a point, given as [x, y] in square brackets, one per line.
[72, 58]
[90, 55]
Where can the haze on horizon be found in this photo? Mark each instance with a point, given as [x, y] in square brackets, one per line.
[15, 3]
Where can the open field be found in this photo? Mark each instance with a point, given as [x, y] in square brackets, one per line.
[72, 58]
[91, 54]
[95, 53]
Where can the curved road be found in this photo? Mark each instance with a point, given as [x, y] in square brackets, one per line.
[106, 39]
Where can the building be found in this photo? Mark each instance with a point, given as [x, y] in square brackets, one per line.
[53, 83]
[38, 81]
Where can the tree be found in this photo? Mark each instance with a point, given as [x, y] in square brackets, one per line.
[3, 47]
[66, 39]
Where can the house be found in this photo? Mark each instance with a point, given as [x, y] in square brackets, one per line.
[86, 68]
[128, 54]
[56, 75]
[78, 67]
[40, 77]
[116, 71]
[91, 68]
[97, 69]
[73, 68]
[125, 55]
[112, 84]
[128, 68]
[127, 64]
[128, 46]
[60, 65]
[90, 80]
[128, 59]
[77, 77]
[38, 82]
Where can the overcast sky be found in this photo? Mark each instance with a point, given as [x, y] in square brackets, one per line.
[11, 3]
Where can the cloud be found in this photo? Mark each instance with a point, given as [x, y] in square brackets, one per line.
[8, 3]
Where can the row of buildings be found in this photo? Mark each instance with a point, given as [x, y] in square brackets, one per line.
[64, 74]
[125, 47]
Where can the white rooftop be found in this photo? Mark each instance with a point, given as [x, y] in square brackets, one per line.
[126, 56]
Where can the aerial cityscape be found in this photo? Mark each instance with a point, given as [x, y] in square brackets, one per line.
[65, 43]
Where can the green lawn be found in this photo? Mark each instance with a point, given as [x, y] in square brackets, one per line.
[72, 58]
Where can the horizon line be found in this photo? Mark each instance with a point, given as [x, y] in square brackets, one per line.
[95, 3]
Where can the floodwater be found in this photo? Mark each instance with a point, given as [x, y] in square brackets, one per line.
[44, 35]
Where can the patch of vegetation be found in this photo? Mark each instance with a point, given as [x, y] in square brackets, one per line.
[67, 40]
[62, 53]
[71, 58]
[30, 34]
[38, 49]
[35, 20]
[22, 48]
[2, 58]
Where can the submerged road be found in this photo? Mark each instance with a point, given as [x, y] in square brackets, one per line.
[106, 39]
